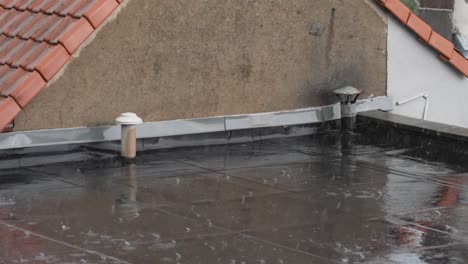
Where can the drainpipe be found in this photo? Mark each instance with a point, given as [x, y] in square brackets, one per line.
[348, 96]
[128, 122]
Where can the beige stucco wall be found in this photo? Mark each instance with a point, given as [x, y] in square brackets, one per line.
[184, 59]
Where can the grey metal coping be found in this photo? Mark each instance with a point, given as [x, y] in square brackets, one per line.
[80, 135]
[427, 128]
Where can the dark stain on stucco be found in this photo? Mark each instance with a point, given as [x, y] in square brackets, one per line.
[157, 67]
[331, 36]
[245, 71]
[315, 29]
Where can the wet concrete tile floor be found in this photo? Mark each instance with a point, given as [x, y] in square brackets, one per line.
[297, 200]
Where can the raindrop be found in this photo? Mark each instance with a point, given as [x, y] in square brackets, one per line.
[40, 257]
[65, 228]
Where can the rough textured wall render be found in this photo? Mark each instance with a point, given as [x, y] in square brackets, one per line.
[184, 59]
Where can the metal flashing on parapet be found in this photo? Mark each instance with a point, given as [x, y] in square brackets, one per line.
[187, 127]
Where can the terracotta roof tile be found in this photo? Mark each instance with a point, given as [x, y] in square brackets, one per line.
[425, 32]
[75, 34]
[400, 10]
[100, 11]
[420, 27]
[459, 62]
[21, 85]
[37, 38]
[22, 4]
[26, 88]
[52, 61]
[441, 44]
[9, 109]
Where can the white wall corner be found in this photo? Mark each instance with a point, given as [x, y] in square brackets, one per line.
[460, 16]
[415, 69]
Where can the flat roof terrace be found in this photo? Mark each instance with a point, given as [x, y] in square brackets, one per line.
[327, 198]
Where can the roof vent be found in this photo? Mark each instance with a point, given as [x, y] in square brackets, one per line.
[461, 44]
[348, 96]
[128, 122]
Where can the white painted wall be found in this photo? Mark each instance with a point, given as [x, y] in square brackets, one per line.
[460, 16]
[414, 68]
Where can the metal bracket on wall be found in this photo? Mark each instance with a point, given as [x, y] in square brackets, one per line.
[82, 135]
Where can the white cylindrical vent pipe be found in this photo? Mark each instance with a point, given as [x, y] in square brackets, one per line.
[128, 122]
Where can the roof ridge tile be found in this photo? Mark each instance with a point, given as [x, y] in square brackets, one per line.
[100, 11]
[9, 109]
[52, 62]
[25, 88]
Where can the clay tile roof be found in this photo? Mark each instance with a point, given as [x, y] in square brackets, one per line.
[445, 47]
[37, 38]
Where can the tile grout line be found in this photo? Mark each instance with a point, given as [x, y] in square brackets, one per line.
[380, 168]
[240, 178]
[237, 232]
[55, 177]
[249, 236]
[104, 256]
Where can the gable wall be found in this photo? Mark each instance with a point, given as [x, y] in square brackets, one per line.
[184, 59]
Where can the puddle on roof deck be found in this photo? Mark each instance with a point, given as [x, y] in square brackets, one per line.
[321, 199]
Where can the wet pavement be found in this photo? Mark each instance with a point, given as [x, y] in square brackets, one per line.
[320, 199]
